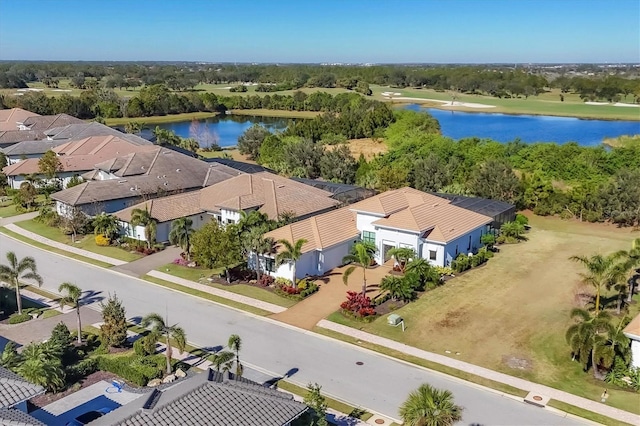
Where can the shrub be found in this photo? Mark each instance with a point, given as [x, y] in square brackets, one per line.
[82, 369]
[146, 345]
[102, 241]
[17, 319]
[310, 289]
[134, 369]
[265, 280]
[359, 304]
[461, 263]
[302, 283]
[488, 239]
[522, 219]
[444, 270]
[180, 261]
[282, 282]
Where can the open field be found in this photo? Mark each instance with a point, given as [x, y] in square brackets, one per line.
[544, 104]
[366, 146]
[85, 242]
[511, 315]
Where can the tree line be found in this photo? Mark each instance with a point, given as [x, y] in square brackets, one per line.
[592, 82]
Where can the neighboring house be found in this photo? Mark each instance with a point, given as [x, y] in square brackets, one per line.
[28, 126]
[10, 119]
[121, 182]
[265, 192]
[42, 123]
[76, 157]
[209, 398]
[632, 331]
[434, 228]
[29, 149]
[85, 130]
[14, 394]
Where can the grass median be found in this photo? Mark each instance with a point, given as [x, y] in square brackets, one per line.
[208, 296]
[585, 414]
[42, 246]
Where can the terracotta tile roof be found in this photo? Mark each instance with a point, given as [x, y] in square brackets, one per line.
[270, 193]
[392, 201]
[85, 130]
[10, 117]
[11, 137]
[632, 330]
[320, 231]
[166, 208]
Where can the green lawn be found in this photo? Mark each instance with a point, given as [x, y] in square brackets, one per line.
[160, 119]
[85, 242]
[511, 315]
[8, 209]
[194, 274]
[53, 249]
[208, 296]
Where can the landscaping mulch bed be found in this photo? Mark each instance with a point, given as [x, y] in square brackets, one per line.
[389, 306]
[47, 398]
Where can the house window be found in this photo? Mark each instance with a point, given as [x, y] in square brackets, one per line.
[469, 247]
[269, 264]
[433, 254]
[230, 221]
[456, 249]
[369, 237]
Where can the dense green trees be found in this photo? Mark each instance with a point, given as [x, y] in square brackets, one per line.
[113, 332]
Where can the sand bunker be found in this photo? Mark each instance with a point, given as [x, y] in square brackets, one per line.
[467, 105]
[618, 104]
[61, 90]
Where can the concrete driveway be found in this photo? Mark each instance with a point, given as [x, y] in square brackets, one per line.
[140, 267]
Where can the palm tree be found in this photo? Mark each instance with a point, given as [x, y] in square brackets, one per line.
[42, 365]
[589, 337]
[235, 343]
[291, 254]
[25, 269]
[169, 332]
[630, 261]
[141, 217]
[180, 234]
[428, 406]
[601, 272]
[361, 256]
[617, 344]
[105, 224]
[10, 357]
[259, 245]
[399, 288]
[425, 272]
[221, 360]
[402, 255]
[72, 298]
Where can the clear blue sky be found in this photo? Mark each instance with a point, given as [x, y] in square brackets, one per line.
[443, 31]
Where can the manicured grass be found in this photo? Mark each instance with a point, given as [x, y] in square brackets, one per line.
[188, 116]
[544, 104]
[84, 242]
[53, 249]
[424, 363]
[50, 313]
[589, 415]
[276, 113]
[41, 292]
[193, 274]
[8, 209]
[512, 314]
[339, 406]
[207, 296]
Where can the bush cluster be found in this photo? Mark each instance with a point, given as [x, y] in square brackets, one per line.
[102, 241]
[265, 280]
[135, 369]
[19, 318]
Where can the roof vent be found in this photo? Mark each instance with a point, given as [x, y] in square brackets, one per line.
[166, 184]
[177, 170]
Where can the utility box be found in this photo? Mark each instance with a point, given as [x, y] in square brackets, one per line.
[394, 319]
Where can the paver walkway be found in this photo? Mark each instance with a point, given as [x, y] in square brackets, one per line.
[332, 293]
[62, 246]
[140, 267]
[270, 307]
[19, 218]
[516, 382]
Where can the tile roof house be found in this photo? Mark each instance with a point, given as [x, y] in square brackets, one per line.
[430, 225]
[123, 181]
[632, 331]
[23, 125]
[76, 158]
[10, 119]
[209, 399]
[265, 192]
[85, 130]
[14, 394]
[41, 123]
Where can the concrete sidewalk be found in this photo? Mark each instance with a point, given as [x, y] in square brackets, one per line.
[39, 238]
[584, 403]
[19, 218]
[270, 307]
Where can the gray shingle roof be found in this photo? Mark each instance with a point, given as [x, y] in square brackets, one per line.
[13, 417]
[31, 147]
[14, 389]
[85, 130]
[207, 399]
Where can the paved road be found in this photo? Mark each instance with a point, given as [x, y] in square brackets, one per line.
[381, 384]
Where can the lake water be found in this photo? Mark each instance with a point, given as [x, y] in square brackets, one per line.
[456, 125]
[529, 128]
[228, 128]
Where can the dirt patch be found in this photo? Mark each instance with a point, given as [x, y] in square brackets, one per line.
[517, 363]
[453, 319]
[47, 398]
[366, 146]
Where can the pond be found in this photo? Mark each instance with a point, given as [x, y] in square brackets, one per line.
[225, 128]
[528, 128]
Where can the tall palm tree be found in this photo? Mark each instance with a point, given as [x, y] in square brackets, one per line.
[141, 217]
[428, 406]
[73, 298]
[291, 254]
[259, 245]
[105, 224]
[588, 337]
[602, 272]
[361, 256]
[630, 262]
[402, 255]
[235, 343]
[222, 360]
[168, 331]
[180, 234]
[617, 344]
[16, 270]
